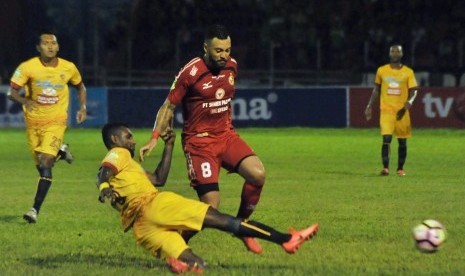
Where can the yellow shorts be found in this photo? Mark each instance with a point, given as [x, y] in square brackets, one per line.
[46, 139]
[390, 126]
[158, 228]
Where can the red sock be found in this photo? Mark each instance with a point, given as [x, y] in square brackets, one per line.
[249, 199]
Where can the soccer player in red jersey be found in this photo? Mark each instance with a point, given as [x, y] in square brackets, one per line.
[205, 88]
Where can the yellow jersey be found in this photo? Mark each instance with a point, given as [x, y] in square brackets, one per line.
[130, 183]
[395, 84]
[48, 87]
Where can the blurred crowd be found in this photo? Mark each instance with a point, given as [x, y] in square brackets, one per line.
[288, 34]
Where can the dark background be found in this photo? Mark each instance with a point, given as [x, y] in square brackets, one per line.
[320, 35]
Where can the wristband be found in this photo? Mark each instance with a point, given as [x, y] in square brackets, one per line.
[103, 185]
[155, 134]
[413, 97]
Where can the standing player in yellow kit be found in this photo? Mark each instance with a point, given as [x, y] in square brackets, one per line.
[397, 87]
[45, 104]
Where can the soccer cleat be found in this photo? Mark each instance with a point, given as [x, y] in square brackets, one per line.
[252, 245]
[31, 216]
[180, 267]
[384, 172]
[65, 154]
[400, 172]
[299, 237]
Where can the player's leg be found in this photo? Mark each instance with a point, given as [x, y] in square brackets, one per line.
[45, 181]
[209, 194]
[289, 241]
[157, 230]
[252, 170]
[239, 157]
[386, 153]
[387, 121]
[203, 171]
[403, 131]
[402, 155]
[65, 154]
[46, 150]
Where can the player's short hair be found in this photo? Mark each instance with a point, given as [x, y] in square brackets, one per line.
[396, 46]
[44, 32]
[217, 30]
[111, 129]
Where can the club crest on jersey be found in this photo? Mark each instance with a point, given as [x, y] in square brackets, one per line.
[231, 79]
[193, 71]
[219, 94]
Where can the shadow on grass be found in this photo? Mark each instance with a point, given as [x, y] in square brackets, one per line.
[60, 260]
[10, 218]
[55, 261]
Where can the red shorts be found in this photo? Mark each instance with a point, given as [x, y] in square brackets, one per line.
[206, 155]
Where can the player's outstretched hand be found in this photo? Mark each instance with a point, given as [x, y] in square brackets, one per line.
[400, 114]
[169, 136]
[146, 149]
[106, 193]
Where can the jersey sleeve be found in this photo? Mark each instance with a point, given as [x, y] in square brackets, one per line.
[76, 77]
[20, 76]
[117, 159]
[178, 88]
[412, 81]
[378, 77]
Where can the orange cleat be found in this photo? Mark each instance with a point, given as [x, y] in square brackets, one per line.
[400, 172]
[384, 172]
[252, 245]
[179, 267]
[299, 237]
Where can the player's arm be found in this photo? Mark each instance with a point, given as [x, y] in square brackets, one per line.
[103, 183]
[412, 95]
[408, 104]
[159, 176]
[374, 96]
[162, 122]
[81, 115]
[13, 94]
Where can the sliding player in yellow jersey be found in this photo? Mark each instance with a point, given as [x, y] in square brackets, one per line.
[396, 85]
[45, 104]
[158, 217]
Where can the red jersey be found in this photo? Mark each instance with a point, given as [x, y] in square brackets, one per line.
[205, 97]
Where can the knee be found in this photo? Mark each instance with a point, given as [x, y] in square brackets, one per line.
[46, 161]
[402, 142]
[258, 177]
[387, 139]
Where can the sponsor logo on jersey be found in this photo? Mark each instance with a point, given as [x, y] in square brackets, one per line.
[193, 71]
[219, 94]
[231, 79]
[207, 85]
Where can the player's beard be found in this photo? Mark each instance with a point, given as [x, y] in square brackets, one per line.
[131, 150]
[217, 65]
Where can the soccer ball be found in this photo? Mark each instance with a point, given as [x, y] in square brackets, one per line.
[429, 235]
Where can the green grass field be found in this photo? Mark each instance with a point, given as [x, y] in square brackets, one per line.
[328, 176]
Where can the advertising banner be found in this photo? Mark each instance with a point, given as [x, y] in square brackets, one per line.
[97, 107]
[11, 113]
[311, 107]
[434, 107]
